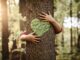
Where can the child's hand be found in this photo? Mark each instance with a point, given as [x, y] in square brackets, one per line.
[30, 37]
[46, 17]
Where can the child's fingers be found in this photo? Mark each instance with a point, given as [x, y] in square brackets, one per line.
[42, 18]
[49, 13]
[32, 33]
[43, 13]
[36, 41]
[37, 38]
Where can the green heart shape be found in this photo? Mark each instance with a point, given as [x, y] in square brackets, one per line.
[40, 27]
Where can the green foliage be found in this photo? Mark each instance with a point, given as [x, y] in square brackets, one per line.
[14, 26]
[77, 1]
[40, 27]
[14, 20]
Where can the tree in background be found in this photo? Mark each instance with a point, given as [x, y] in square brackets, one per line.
[5, 32]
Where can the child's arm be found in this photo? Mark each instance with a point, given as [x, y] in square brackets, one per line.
[47, 17]
[30, 37]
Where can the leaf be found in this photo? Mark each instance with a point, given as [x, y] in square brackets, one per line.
[40, 27]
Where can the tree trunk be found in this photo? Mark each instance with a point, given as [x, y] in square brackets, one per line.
[45, 50]
[5, 32]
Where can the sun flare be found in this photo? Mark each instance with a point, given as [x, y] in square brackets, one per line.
[0, 10]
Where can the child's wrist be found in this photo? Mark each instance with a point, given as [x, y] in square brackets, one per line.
[52, 21]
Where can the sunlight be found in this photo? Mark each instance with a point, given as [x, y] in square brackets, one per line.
[17, 1]
[0, 10]
[71, 22]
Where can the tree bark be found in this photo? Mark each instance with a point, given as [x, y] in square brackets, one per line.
[5, 32]
[45, 50]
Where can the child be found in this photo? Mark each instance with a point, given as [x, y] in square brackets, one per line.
[46, 17]
[45, 47]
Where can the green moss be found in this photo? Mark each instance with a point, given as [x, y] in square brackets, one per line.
[40, 27]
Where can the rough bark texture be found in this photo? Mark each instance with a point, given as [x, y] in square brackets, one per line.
[45, 50]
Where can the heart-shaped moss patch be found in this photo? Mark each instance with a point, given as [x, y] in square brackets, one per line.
[39, 26]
